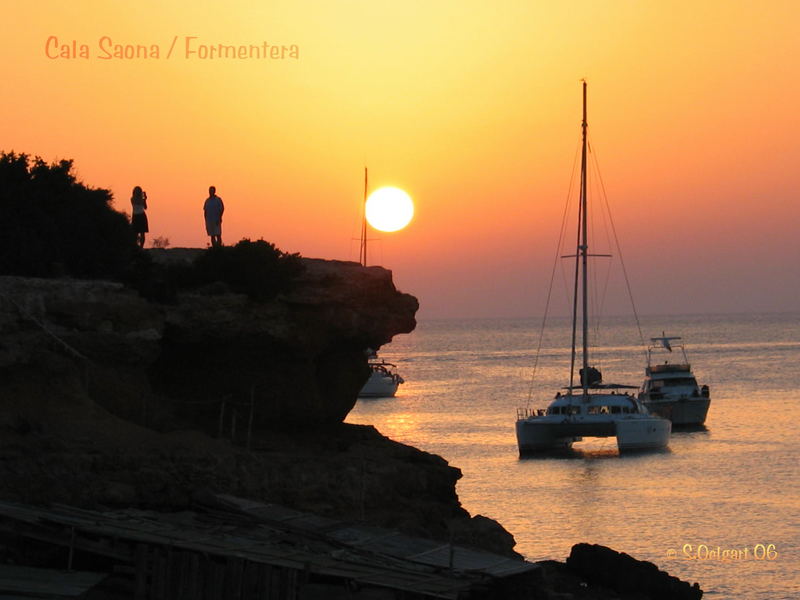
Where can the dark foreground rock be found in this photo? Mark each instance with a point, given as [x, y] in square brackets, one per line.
[109, 400]
[622, 573]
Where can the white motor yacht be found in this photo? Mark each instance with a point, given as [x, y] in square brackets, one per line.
[670, 389]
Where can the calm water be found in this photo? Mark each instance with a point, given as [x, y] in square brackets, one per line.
[733, 486]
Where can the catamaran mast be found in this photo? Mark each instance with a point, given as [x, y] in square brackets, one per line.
[362, 256]
[581, 263]
[583, 249]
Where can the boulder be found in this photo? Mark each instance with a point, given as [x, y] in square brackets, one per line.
[622, 573]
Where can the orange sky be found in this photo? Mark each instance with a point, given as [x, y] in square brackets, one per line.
[472, 107]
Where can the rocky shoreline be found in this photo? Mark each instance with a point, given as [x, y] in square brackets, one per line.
[113, 401]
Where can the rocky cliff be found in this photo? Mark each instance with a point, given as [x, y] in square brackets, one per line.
[298, 359]
[107, 399]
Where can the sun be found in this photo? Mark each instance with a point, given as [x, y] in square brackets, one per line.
[389, 209]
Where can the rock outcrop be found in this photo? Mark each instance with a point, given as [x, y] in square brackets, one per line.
[298, 359]
[617, 571]
[107, 399]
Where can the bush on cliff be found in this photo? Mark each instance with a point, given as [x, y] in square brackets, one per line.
[51, 224]
[258, 269]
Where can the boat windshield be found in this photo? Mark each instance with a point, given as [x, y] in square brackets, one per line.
[613, 410]
[564, 410]
[591, 410]
[674, 382]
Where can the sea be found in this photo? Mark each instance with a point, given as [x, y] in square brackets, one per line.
[720, 507]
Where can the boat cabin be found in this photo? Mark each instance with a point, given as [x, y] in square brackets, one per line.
[602, 409]
[613, 403]
[670, 380]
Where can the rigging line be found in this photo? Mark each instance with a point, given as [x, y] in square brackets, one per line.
[561, 233]
[362, 255]
[619, 251]
[357, 225]
[560, 249]
[601, 296]
[565, 283]
[595, 299]
[350, 254]
[575, 287]
[599, 274]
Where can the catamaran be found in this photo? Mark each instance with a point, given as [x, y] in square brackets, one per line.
[590, 408]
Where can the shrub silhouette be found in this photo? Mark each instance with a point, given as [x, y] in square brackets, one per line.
[258, 269]
[52, 225]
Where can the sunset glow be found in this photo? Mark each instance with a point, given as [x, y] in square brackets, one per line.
[471, 107]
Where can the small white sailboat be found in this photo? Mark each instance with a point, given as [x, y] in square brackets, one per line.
[591, 408]
[383, 380]
[670, 389]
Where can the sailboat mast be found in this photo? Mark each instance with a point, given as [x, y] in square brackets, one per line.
[583, 249]
[362, 256]
[575, 287]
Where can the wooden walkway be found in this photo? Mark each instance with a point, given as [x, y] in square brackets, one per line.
[27, 583]
[375, 540]
[237, 549]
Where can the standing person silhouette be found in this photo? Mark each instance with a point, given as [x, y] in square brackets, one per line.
[213, 209]
[139, 216]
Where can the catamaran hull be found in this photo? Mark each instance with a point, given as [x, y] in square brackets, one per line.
[643, 434]
[533, 437]
[684, 411]
[544, 435]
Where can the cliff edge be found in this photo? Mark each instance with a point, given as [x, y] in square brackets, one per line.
[110, 400]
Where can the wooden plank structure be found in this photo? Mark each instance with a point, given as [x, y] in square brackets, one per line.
[237, 549]
[32, 583]
[376, 540]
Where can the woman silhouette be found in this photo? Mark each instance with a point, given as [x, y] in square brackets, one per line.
[139, 216]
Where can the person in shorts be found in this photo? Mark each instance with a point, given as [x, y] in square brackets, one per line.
[212, 210]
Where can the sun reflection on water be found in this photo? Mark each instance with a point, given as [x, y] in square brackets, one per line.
[735, 483]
